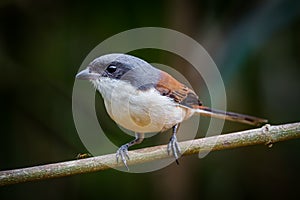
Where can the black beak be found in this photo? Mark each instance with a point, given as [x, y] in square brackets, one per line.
[87, 75]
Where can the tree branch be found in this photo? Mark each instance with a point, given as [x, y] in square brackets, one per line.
[264, 135]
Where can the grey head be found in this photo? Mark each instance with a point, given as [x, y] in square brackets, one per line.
[122, 67]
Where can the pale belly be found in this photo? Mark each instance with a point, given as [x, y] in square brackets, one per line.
[142, 111]
[145, 115]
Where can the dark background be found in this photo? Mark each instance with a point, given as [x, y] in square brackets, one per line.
[255, 44]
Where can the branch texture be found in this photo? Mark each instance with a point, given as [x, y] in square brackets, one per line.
[265, 135]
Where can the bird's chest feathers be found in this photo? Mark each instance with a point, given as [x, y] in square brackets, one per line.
[139, 111]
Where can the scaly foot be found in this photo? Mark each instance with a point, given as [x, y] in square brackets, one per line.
[173, 146]
[123, 154]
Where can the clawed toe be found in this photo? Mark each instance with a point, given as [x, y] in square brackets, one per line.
[123, 154]
[173, 146]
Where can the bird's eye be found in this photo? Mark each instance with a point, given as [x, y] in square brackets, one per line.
[111, 69]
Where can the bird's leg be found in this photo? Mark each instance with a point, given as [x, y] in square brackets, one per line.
[173, 144]
[123, 150]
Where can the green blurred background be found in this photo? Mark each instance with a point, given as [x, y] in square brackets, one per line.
[255, 44]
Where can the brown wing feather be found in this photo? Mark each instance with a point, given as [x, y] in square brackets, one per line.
[180, 93]
[170, 87]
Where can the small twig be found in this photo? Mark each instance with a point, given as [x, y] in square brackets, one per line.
[265, 135]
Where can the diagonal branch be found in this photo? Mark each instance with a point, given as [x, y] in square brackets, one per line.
[264, 135]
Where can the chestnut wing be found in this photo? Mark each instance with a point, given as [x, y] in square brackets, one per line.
[180, 93]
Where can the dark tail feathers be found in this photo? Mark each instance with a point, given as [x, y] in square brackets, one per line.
[236, 117]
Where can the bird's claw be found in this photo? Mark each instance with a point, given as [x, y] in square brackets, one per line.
[123, 154]
[173, 146]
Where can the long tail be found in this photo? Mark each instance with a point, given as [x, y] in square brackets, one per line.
[236, 117]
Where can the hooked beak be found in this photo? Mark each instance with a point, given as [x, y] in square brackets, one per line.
[86, 74]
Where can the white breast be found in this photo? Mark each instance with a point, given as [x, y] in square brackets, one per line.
[139, 111]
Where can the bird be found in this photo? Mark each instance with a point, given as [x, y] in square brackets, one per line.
[144, 99]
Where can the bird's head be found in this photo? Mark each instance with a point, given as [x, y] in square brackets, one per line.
[120, 67]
